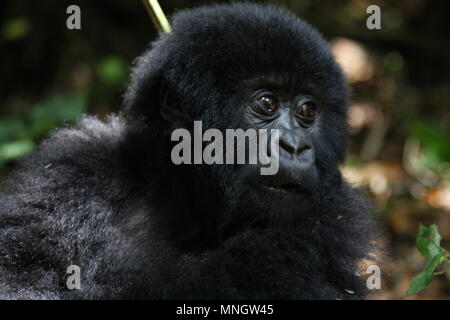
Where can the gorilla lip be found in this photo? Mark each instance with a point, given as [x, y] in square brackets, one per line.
[283, 188]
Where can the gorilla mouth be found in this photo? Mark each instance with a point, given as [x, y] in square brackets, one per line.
[288, 188]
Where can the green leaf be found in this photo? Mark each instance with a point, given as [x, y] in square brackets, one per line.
[433, 263]
[423, 279]
[418, 283]
[428, 241]
[429, 244]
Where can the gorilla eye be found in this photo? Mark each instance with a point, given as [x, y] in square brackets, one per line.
[307, 110]
[268, 103]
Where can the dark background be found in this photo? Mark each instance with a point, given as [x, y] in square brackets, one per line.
[400, 77]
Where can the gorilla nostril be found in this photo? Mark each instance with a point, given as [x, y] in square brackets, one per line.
[292, 148]
[287, 146]
[302, 148]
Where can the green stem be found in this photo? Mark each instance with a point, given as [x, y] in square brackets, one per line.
[447, 257]
[157, 15]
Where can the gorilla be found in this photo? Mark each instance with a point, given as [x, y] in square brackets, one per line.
[105, 195]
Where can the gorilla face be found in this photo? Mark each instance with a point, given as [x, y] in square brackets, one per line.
[260, 68]
[307, 163]
[269, 106]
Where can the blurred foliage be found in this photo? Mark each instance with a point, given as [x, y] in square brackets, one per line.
[399, 117]
[436, 143]
[112, 70]
[18, 135]
[49, 114]
[16, 28]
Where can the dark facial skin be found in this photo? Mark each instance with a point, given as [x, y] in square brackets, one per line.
[279, 105]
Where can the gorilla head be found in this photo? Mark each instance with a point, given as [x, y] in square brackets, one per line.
[243, 66]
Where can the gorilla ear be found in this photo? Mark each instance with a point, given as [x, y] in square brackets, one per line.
[170, 106]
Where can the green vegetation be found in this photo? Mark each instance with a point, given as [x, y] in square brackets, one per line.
[428, 243]
[18, 136]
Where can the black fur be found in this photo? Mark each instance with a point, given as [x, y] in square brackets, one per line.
[106, 197]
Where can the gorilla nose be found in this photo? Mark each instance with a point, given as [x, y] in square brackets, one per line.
[296, 163]
[294, 146]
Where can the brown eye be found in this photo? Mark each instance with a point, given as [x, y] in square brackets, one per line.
[268, 103]
[307, 110]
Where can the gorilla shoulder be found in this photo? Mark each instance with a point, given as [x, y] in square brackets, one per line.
[74, 159]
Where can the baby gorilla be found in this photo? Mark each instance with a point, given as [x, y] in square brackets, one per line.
[106, 196]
